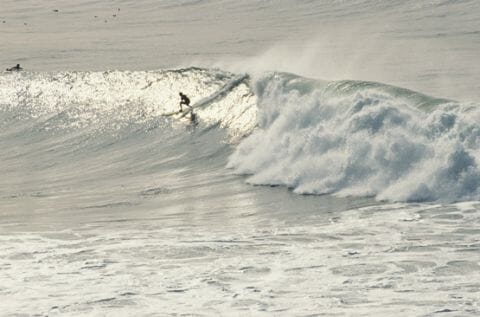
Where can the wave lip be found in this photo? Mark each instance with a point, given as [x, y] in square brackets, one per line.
[361, 139]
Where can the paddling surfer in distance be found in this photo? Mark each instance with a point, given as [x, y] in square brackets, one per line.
[15, 68]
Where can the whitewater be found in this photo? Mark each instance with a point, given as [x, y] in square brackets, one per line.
[326, 174]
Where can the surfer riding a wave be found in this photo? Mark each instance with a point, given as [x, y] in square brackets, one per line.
[184, 100]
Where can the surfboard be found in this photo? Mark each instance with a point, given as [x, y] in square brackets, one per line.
[181, 113]
[171, 113]
[182, 116]
[185, 112]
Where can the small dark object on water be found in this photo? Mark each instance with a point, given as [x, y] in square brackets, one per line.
[15, 68]
[55, 10]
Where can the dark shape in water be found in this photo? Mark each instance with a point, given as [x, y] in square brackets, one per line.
[15, 68]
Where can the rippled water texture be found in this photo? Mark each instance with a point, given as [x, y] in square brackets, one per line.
[302, 189]
[428, 46]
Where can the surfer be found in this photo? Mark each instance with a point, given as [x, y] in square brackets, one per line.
[14, 68]
[184, 101]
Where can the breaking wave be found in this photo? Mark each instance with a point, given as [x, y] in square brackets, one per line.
[353, 138]
[346, 138]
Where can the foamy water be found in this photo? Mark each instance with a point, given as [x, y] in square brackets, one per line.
[347, 187]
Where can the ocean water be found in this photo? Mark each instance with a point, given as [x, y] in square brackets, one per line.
[333, 169]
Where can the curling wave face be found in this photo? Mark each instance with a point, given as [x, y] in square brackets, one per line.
[347, 138]
[353, 138]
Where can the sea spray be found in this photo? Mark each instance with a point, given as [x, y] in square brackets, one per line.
[361, 139]
[346, 138]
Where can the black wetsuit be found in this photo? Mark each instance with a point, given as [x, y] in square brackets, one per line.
[184, 101]
[14, 68]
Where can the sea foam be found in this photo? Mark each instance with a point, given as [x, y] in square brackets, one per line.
[346, 138]
[361, 139]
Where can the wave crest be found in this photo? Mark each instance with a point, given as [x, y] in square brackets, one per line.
[362, 139]
[346, 138]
